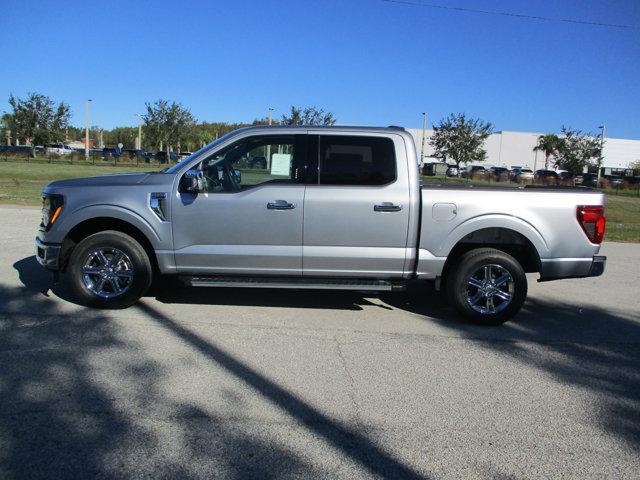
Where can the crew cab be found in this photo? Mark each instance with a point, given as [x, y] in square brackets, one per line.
[338, 208]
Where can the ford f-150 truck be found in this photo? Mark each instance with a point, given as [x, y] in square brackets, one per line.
[335, 208]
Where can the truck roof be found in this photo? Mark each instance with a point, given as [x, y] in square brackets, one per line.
[342, 128]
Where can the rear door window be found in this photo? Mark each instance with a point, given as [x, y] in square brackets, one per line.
[356, 160]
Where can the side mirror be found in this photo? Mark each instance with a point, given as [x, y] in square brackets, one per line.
[192, 182]
[238, 175]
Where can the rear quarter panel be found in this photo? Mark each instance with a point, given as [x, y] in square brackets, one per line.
[546, 217]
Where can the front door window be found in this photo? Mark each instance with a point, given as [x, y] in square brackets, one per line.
[254, 161]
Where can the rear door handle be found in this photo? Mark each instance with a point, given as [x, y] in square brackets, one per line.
[280, 205]
[387, 207]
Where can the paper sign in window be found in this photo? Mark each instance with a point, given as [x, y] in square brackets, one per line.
[281, 164]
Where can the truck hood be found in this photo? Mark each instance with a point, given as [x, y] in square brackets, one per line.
[118, 179]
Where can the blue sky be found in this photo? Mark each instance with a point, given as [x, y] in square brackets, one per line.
[370, 62]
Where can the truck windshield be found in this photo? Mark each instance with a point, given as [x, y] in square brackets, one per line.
[175, 168]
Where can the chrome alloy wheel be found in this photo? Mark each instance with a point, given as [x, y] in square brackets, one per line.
[490, 289]
[107, 272]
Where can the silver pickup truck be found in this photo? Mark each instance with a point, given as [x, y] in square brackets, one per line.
[331, 208]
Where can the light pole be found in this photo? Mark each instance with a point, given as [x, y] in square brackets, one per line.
[424, 134]
[601, 159]
[269, 146]
[86, 133]
[139, 146]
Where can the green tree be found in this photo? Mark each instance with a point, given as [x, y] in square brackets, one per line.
[167, 124]
[124, 135]
[264, 121]
[549, 144]
[74, 133]
[38, 119]
[5, 128]
[308, 116]
[460, 139]
[199, 136]
[578, 150]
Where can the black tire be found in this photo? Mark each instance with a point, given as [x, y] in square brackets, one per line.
[461, 292]
[136, 261]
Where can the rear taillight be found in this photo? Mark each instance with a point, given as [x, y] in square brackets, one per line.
[591, 219]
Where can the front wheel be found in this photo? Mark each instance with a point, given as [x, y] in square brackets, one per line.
[487, 286]
[109, 270]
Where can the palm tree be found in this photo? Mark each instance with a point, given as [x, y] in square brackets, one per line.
[549, 144]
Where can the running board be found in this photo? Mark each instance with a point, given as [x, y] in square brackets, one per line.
[306, 283]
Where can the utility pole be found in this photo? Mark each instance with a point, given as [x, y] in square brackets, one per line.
[601, 159]
[139, 142]
[269, 146]
[86, 133]
[424, 134]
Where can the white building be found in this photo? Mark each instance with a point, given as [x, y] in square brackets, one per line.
[510, 149]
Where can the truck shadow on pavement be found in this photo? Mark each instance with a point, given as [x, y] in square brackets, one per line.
[79, 400]
[587, 347]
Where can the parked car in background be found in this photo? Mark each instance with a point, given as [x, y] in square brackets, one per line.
[20, 149]
[258, 162]
[452, 172]
[521, 175]
[545, 176]
[565, 177]
[133, 153]
[615, 181]
[474, 171]
[111, 152]
[59, 149]
[434, 168]
[633, 181]
[162, 156]
[499, 173]
[183, 155]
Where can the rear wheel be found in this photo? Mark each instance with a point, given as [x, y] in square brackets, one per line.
[109, 270]
[487, 286]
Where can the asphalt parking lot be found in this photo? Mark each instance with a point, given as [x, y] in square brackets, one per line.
[240, 383]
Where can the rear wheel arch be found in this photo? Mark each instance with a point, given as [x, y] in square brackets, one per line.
[506, 240]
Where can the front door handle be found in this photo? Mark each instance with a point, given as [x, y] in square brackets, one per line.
[387, 207]
[280, 205]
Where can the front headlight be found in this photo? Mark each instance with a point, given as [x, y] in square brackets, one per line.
[51, 209]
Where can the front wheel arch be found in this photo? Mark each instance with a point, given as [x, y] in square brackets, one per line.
[100, 224]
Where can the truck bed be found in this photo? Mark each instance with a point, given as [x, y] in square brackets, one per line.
[544, 216]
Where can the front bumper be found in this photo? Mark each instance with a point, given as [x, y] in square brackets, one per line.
[558, 268]
[48, 254]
